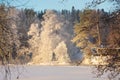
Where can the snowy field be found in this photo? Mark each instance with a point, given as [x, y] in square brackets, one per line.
[55, 73]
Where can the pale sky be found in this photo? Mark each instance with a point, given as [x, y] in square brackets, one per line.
[56, 4]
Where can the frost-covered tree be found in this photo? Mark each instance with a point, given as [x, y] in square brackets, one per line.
[49, 36]
[9, 42]
[56, 34]
[34, 38]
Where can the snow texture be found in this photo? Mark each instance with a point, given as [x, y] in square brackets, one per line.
[56, 73]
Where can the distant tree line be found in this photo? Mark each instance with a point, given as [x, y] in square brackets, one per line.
[18, 22]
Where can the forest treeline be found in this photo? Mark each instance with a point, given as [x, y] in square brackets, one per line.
[22, 23]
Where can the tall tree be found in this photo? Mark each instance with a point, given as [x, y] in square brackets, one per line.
[23, 22]
[7, 43]
[113, 36]
[30, 16]
[112, 50]
[92, 31]
[85, 31]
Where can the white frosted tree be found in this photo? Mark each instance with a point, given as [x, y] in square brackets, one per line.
[49, 36]
[34, 38]
[54, 38]
[61, 53]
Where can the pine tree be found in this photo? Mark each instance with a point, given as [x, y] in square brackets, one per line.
[91, 32]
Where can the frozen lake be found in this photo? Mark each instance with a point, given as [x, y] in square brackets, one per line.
[56, 73]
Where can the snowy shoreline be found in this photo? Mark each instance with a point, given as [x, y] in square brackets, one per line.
[43, 72]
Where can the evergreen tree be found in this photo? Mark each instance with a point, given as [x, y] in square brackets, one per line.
[92, 31]
[112, 50]
[40, 14]
[30, 16]
[73, 14]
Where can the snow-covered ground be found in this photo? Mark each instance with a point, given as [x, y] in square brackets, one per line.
[56, 73]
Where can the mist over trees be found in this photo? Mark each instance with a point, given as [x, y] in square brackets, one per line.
[54, 36]
[30, 28]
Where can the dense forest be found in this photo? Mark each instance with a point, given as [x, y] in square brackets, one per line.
[37, 35]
